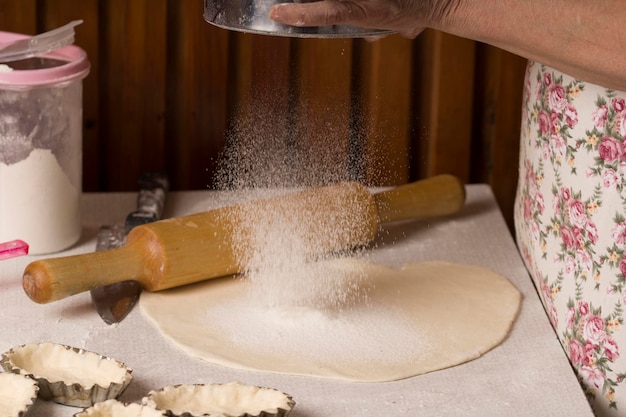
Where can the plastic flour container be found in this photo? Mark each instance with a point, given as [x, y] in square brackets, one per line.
[41, 148]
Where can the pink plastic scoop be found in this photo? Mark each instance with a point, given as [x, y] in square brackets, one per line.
[13, 248]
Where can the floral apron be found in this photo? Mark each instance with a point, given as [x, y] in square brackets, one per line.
[570, 221]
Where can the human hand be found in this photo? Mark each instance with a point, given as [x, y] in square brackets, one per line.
[408, 17]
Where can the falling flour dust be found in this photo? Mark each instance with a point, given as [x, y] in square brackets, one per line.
[269, 154]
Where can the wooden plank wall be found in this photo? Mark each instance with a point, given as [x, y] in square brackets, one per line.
[165, 89]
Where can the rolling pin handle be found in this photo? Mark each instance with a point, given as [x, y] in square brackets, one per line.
[436, 196]
[48, 280]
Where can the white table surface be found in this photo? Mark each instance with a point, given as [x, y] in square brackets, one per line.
[527, 375]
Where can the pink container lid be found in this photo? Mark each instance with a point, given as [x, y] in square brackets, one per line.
[76, 67]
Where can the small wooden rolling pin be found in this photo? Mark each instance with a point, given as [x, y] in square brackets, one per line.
[211, 244]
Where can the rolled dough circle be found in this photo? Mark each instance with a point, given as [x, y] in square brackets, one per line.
[418, 319]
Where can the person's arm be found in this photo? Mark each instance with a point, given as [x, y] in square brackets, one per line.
[585, 39]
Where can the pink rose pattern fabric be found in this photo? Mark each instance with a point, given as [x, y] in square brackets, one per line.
[570, 221]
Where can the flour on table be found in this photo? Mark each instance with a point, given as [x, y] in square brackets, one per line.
[422, 318]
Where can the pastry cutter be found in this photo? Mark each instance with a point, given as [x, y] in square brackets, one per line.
[114, 301]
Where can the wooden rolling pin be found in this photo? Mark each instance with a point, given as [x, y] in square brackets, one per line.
[188, 249]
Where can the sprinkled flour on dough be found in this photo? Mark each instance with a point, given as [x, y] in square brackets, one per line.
[421, 318]
[360, 335]
[40, 166]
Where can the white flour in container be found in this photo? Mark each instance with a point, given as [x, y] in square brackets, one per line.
[41, 166]
[323, 338]
[25, 209]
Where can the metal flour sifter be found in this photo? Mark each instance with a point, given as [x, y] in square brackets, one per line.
[252, 16]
